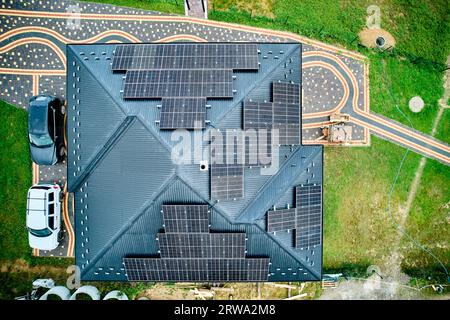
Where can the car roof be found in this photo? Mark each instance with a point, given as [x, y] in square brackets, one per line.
[36, 209]
[37, 118]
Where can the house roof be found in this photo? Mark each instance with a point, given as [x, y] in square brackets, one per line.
[121, 172]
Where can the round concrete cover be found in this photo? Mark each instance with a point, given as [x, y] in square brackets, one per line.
[416, 104]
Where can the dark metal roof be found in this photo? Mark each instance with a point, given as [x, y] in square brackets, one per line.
[121, 173]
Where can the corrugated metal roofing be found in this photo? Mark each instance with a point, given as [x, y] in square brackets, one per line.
[121, 172]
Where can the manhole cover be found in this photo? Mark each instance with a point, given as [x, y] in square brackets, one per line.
[380, 42]
[416, 104]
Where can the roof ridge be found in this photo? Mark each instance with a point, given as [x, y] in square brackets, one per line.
[117, 134]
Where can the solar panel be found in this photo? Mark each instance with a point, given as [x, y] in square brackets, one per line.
[288, 134]
[217, 83]
[283, 114]
[202, 245]
[309, 215]
[123, 57]
[154, 269]
[185, 218]
[258, 115]
[258, 147]
[286, 112]
[227, 181]
[286, 92]
[280, 220]
[189, 113]
[185, 56]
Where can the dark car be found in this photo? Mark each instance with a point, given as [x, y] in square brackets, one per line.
[46, 115]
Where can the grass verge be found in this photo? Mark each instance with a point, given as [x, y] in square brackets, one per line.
[167, 6]
[15, 179]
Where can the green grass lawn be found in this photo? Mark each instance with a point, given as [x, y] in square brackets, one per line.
[443, 130]
[167, 6]
[357, 226]
[394, 82]
[15, 179]
[429, 218]
[420, 27]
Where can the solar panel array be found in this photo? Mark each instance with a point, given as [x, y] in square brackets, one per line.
[305, 219]
[154, 269]
[189, 113]
[185, 56]
[278, 220]
[202, 245]
[189, 252]
[185, 218]
[190, 71]
[286, 112]
[309, 215]
[230, 153]
[227, 181]
[158, 83]
[282, 114]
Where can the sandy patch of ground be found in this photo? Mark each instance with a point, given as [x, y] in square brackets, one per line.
[368, 37]
[21, 265]
[167, 292]
[256, 8]
[372, 288]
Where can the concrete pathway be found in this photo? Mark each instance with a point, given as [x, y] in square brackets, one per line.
[196, 8]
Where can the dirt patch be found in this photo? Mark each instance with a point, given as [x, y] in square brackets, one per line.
[445, 100]
[368, 38]
[167, 292]
[256, 8]
[372, 288]
[20, 265]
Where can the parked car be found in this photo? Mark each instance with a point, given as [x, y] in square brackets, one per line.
[44, 216]
[46, 129]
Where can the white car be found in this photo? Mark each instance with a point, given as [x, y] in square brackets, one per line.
[44, 216]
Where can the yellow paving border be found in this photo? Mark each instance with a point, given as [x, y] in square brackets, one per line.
[69, 228]
[35, 78]
[30, 72]
[30, 40]
[401, 140]
[35, 179]
[63, 39]
[182, 37]
[341, 79]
